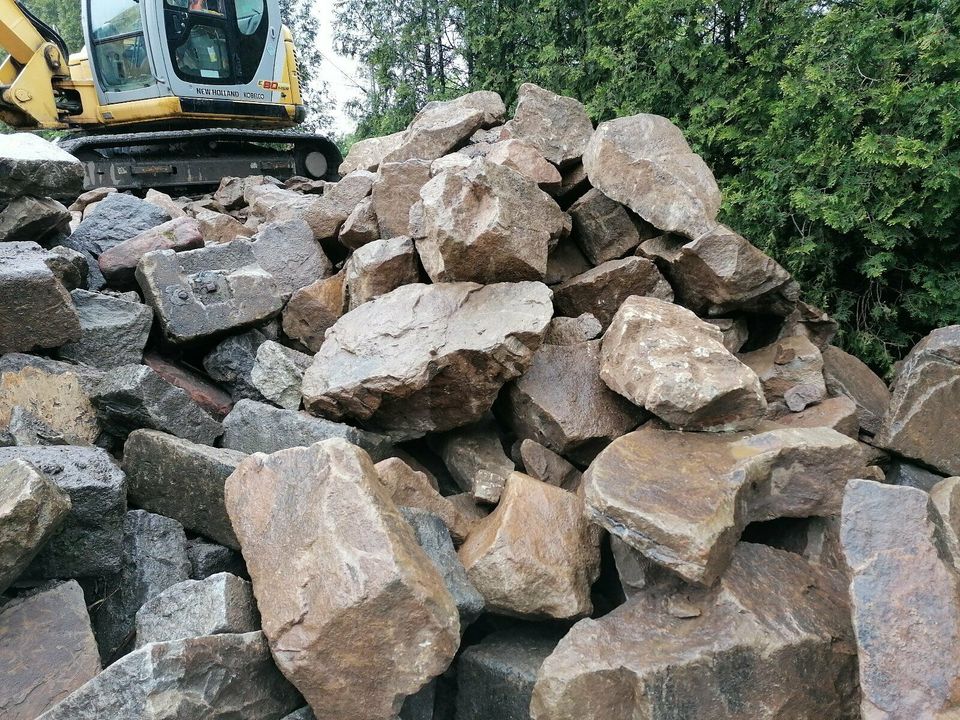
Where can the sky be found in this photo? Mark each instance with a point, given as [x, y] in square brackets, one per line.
[336, 68]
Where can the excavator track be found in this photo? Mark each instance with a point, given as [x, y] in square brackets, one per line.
[191, 160]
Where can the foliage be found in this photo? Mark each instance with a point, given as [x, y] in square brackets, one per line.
[299, 17]
[832, 126]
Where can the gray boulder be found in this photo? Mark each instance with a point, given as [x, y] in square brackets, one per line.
[113, 332]
[207, 558]
[277, 373]
[230, 363]
[36, 219]
[289, 253]
[30, 165]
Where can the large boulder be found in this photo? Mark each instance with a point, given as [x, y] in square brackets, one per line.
[476, 461]
[89, 542]
[435, 356]
[379, 267]
[181, 480]
[217, 677]
[35, 308]
[277, 373]
[325, 214]
[395, 191]
[200, 294]
[644, 162]
[313, 309]
[113, 331]
[850, 376]
[559, 127]
[287, 251]
[926, 399]
[487, 223]
[30, 165]
[664, 358]
[356, 614]
[32, 508]
[602, 227]
[527, 160]
[368, 154]
[36, 219]
[536, 555]
[119, 263]
[683, 499]
[56, 404]
[48, 650]
[771, 641]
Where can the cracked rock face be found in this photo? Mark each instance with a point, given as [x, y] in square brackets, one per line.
[113, 332]
[664, 358]
[356, 614]
[771, 641]
[557, 126]
[30, 165]
[435, 356]
[56, 403]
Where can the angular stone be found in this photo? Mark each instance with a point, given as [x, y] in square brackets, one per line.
[56, 402]
[945, 496]
[664, 358]
[68, 266]
[253, 427]
[720, 272]
[378, 268]
[289, 253]
[85, 199]
[119, 262]
[788, 365]
[134, 396]
[32, 509]
[217, 605]
[15, 362]
[838, 413]
[735, 332]
[535, 555]
[166, 203]
[602, 227]
[30, 165]
[49, 650]
[88, 543]
[772, 641]
[565, 261]
[572, 331]
[218, 677]
[602, 290]
[35, 219]
[475, 458]
[362, 226]
[561, 402]
[527, 160]
[848, 375]
[35, 308]
[321, 516]
[325, 214]
[545, 465]
[395, 191]
[113, 332]
[644, 162]
[231, 362]
[231, 195]
[432, 535]
[154, 558]
[441, 126]
[812, 323]
[682, 499]
[181, 480]
[557, 126]
[926, 399]
[277, 373]
[412, 489]
[314, 309]
[218, 227]
[435, 356]
[905, 600]
[368, 154]
[208, 396]
[495, 677]
[199, 294]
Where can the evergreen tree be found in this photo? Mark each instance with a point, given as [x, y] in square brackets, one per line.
[299, 17]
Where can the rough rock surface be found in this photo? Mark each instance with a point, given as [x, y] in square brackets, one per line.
[791, 372]
[682, 499]
[772, 641]
[487, 223]
[231, 362]
[89, 542]
[602, 227]
[905, 600]
[57, 402]
[368, 154]
[313, 309]
[113, 332]
[601, 291]
[536, 555]
[199, 294]
[546, 466]
[435, 355]
[119, 262]
[289, 253]
[35, 308]
[157, 463]
[30, 218]
[216, 605]
[277, 373]
[135, 396]
[644, 162]
[325, 214]
[378, 268]
[32, 508]
[356, 563]
[527, 160]
[48, 650]
[926, 399]
[218, 227]
[665, 359]
[30, 165]
[557, 126]
[219, 677]
[849, 376]
[838, 413]
[362, 226]
[475, 458]
[573, 330]
[395, 191]
[256, 427]
[211, 398]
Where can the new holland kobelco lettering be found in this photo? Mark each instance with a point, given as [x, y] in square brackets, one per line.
[217, 92]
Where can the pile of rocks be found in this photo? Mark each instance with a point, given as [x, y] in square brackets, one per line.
[502, 425]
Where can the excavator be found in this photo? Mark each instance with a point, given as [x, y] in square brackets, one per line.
[165, 93]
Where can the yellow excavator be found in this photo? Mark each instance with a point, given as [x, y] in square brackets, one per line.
[165, 93]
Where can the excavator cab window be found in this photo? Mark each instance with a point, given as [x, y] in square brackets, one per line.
[119, 50]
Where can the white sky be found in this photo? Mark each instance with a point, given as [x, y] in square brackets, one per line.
[335, 68]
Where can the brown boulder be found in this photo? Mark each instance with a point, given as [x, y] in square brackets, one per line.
[395, 191]
[526, 160]
[356, 614]
[368, 154]
[544, 465]
[839, 413]
[217, 227]
[664, 358]
[602, 227]
[57, 400]
[475, 458]
[602, 290]
[771, 642]
[849, 376]
[559, 127]
[119, 262]
[313, 309]
[379, 267]
[791, 372]
[435, 356]
[361, 227]
[535, 555]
